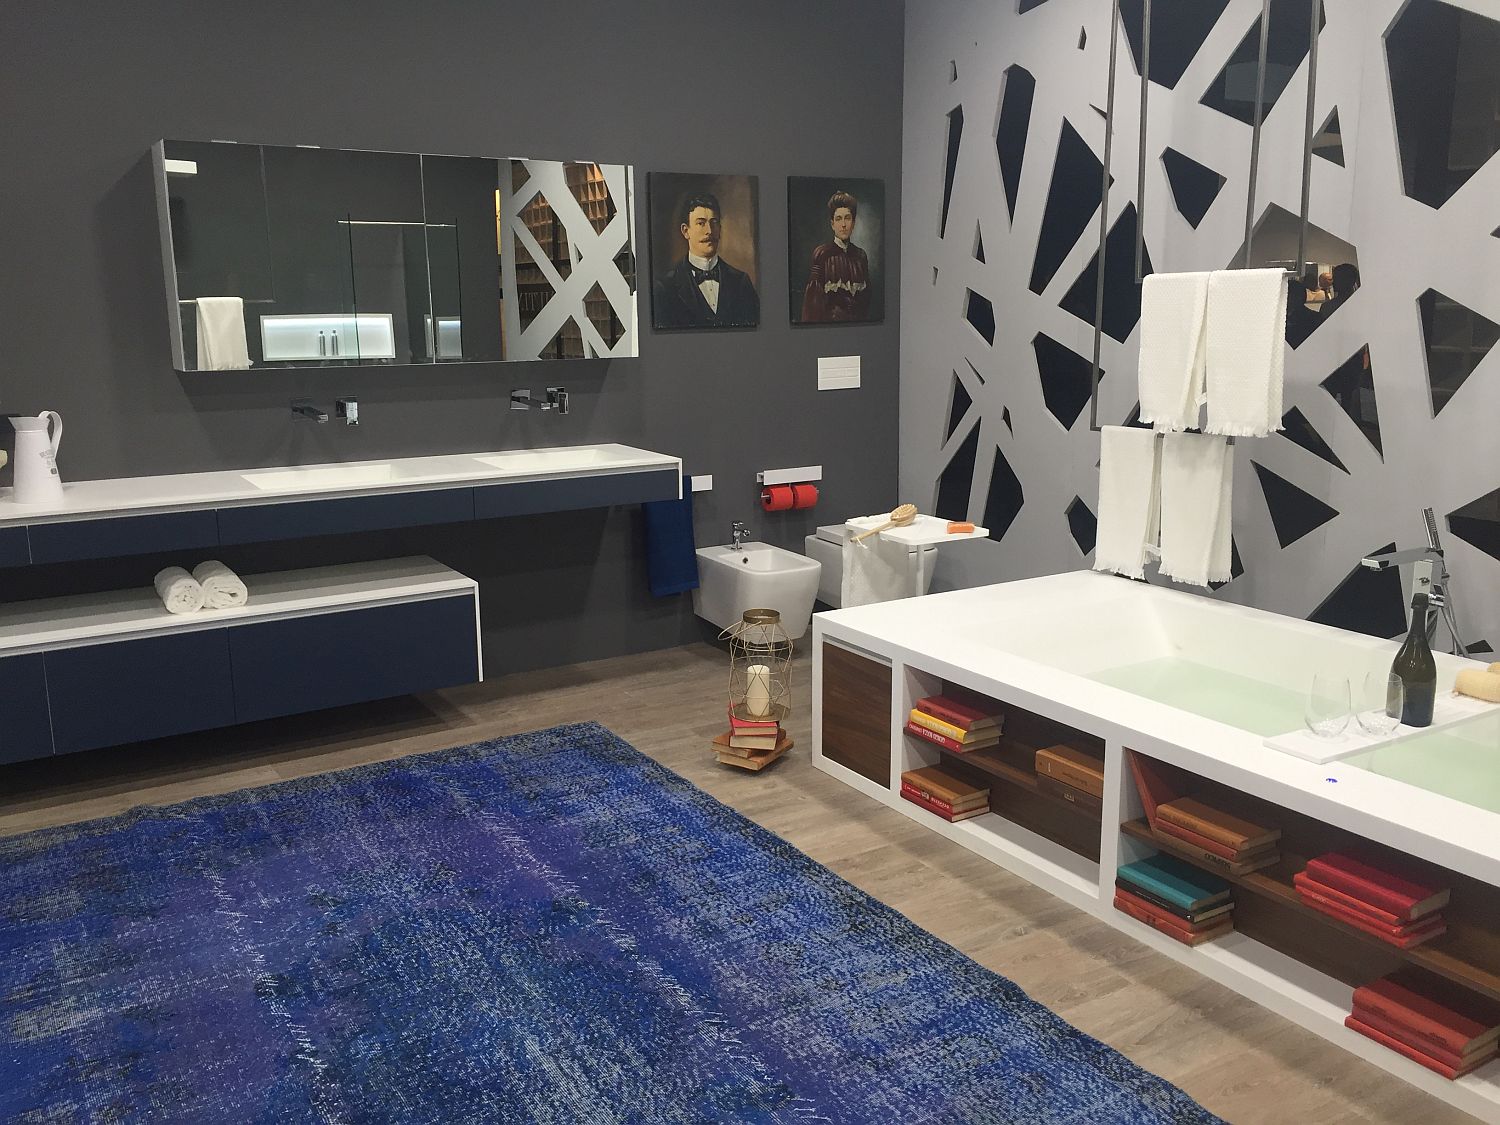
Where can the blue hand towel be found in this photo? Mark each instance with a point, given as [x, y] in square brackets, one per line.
[671, 565]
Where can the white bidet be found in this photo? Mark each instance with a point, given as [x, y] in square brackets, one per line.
[758, 576]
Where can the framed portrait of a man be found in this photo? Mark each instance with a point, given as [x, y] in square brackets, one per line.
[704, 268]
[836, 249]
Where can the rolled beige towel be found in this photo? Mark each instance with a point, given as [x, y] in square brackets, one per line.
[1479, 684]
[179, 591]
[222, 587]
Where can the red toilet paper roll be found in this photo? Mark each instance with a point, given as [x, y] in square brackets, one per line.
[777, 498]
[804, 496]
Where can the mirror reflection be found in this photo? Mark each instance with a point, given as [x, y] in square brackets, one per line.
[296, 257]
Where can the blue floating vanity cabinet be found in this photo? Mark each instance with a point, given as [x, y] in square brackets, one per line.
[103, 670]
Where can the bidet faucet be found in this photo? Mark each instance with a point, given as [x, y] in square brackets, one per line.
[739, 533]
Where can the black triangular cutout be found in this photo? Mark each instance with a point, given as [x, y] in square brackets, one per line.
[1294, 513]
[1367, 601]
[1082, 524]
[957, 480]
[1072, 200]
[1194, 186]
[1083, 38]
[1188, 23]
[1353, 388]
[1005, 499]
[1233, 91]
[960, 406]
[1026, 5]
[1296, 428]
[977, 374]
[1065, 378]
[1457, 340]
[1005, 417]
[1011, 130]
[1329, 142]
[978, 244]
[1478, 523]
[1122, 296]
[981, 314]
[950, 164]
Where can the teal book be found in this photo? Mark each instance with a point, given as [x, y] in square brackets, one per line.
[1176, 881]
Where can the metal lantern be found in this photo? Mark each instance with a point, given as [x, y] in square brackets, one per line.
[760, 666]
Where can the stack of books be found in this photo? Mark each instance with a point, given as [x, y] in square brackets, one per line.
[1069, 773]
[1396, 908]
[751, 744]
[1186, 904]
[954, 724]
[1228, 843]
[1452, 1034]
[937, 791]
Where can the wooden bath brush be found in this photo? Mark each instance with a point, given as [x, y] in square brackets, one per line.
[901, 517]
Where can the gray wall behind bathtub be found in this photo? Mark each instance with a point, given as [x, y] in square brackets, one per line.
[797, 89]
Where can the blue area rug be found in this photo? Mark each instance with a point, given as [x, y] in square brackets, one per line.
[546, 928]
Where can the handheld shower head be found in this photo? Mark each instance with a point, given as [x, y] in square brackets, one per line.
[1432, 531]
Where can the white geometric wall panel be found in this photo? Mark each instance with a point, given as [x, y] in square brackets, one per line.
[1308, 504]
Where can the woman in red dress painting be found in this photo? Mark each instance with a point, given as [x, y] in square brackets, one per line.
[838, 283]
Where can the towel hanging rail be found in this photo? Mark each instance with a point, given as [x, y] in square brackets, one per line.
[1316, 7]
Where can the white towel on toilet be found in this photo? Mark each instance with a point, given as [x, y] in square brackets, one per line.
[222, 587]
[179, 591]
[221, 334]
[1174, 308]
[875, 570]
[1129, 491]
[1246, 351]
[1197, 488]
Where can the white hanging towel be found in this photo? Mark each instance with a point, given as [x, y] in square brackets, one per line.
[221, 334]
[875, 570]
[1246, 351]
[1174, 309]
[179, 591]
[1129, 490]
[1197, 485]
[222, 587]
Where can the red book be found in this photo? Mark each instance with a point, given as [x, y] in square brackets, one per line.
[1377, 886]
[1435, 927]
[1154, 788]
[1459, 1025]
[956, 711]
[1431, 1050]
[1303, 881]
[1172, 926]
[948, 808]
[1196, 840]
[945, 742]
[935, 807]
[1411, 1052]
[751, 726]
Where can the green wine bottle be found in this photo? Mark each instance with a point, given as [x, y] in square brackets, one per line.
[1417, 669]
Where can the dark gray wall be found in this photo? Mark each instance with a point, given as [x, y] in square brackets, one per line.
[800, 89]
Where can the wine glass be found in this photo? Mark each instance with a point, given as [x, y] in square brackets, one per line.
[1327, 710]
[1381, 701]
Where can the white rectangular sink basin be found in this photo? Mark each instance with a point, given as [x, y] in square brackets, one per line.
[548, 460]
[321, 476]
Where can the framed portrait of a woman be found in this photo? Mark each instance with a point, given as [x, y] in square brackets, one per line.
[836, 249]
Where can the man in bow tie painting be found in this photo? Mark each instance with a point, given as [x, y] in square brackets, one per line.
[702, 290]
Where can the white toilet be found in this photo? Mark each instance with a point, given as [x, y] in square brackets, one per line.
[827, 546]
[757, 576]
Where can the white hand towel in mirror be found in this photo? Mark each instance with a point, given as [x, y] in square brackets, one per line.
[1246, 351]
[222, 587]
[1129, 472]
[179, 591]
[221, 334]
[1174, 308]
[1197, 485]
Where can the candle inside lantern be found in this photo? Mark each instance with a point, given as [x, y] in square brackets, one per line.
[758, 690]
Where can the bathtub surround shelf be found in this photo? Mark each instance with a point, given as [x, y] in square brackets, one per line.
[1046, 648]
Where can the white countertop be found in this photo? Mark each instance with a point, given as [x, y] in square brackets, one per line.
[92, 499]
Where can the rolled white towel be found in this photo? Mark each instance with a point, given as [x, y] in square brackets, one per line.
[222, 587]
[179, 591]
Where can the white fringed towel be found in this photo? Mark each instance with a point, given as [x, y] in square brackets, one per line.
[1174, 309]
[222, 587]
[1197, 486]
[875, 570]
[179, 591]
[221, 334]
[1246, 351]
[1129, 489]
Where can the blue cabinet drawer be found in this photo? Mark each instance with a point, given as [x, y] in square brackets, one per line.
[106, 694]
[15, 548]
[123, 535]
[24, 728]
[330, 659]
[526, 498]
[262, 523]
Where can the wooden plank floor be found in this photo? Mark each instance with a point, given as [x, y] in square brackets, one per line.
[1236, 1058]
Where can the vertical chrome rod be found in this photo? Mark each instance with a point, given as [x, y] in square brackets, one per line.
[1260, 98]
[1140, 185]
[1307, 131]
[1109, 144]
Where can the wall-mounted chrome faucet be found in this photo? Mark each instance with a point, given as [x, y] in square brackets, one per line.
[739, 533]
[348, 410]
[557, 399]
[304, 411]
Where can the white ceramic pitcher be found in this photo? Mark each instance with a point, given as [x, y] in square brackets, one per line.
[36, 477]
